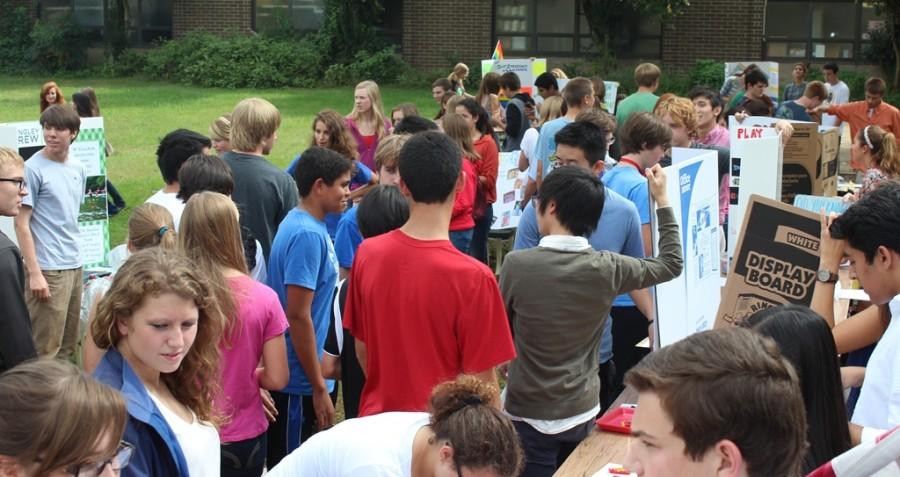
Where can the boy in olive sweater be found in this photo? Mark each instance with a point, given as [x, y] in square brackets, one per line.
[554, 294]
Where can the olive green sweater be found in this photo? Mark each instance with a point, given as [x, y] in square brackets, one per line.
[557, 303]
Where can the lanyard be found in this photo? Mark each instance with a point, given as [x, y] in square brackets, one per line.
[632, 163]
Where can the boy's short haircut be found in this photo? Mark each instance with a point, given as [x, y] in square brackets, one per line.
[586, 136]
[9, 157]
[387, 154]
[547, 81]
[382, 209]
[413, 125]
[758, 107]
[873, 86]
[442, 83]
[510, 81]
[816, 89]
[576, 90]
[202, 173]
[644, 131]
[430, 164]
[606, 121]
[682, 112]
[253, 121]
[578, 196]
[872, 222]
[647, 75]
[831, 66]
[729, 384]
[756, 76]
[319, 163]
[175, 148]
[61, 116]
[711, 95]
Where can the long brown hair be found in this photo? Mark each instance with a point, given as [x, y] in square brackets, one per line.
[53, 415]
[151, 225]
[46, 89]
[152, 272]
[341, 141]
[458, 129]
[882, 146]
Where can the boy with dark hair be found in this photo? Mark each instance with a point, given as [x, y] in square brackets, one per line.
[709, 107]
[413, 125]
[303, 270]
[439, 88]
[646, 75]
[47, 231]
[814, 95]
[717, 403]
[451, 320]
[16, 343]
[838, 93]
[553, 386]
[546, 85]
[174, 149]
[516, 110]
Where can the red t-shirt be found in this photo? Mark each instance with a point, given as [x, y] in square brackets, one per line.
[488, 166]
[426, 313]
[465, 199]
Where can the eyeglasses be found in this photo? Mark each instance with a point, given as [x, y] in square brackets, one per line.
[118, 462]
[19, 182]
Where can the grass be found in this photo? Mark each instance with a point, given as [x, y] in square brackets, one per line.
[137, 113]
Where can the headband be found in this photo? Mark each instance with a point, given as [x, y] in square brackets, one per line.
[866, 137]
[162, 230]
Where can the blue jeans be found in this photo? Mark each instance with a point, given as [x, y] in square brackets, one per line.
[461, 239]
[478, 247]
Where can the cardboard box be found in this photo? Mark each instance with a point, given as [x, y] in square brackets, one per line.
[810, 162]
[775, 262]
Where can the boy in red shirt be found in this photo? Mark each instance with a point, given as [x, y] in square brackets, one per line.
[421, 311]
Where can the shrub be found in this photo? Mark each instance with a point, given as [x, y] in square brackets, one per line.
[707, 73]
[15, 28]
[58, 45]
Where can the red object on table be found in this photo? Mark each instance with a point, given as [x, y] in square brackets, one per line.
[618, 420]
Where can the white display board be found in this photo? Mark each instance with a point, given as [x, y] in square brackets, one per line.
[688, 304]
[510, 189]
[755, 168]
[527, 69]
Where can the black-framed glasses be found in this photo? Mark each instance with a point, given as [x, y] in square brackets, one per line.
[19, 182]
[117, 462]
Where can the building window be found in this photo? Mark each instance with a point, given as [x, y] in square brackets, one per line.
[821, 30]
[304, 15]
[557, 28]
[146, 20]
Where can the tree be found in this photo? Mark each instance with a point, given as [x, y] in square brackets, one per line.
[607, 17]
[890, 11]
[350, 27]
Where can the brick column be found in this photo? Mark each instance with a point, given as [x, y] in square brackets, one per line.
[723, 30]
[435, 32]
[215, 16]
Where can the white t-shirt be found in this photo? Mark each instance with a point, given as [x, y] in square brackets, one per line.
[879, 399]
[840, 94]
[199, 441]
[173, 204]
[371, 446]
[529, 140]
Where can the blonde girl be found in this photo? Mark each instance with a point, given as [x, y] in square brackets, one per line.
[220, 134]
[160, 324]
[458, 78]
[367, 122]
[210, 233]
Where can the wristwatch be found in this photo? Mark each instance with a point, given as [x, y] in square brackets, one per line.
[826, 276]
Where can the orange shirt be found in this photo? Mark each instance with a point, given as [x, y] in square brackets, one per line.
[856, 113]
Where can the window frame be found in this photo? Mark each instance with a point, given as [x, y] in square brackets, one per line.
[857, 42]
[142, 30]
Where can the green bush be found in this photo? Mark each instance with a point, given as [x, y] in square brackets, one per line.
[383, 66]
[58, 45]
[707, 73]
[15, 28]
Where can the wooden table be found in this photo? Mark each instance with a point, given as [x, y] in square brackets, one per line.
[599, 448]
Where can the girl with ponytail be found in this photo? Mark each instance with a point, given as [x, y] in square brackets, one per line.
[877, 150]
[464, 429]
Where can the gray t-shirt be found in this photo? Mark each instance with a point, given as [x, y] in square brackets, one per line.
[55, 193]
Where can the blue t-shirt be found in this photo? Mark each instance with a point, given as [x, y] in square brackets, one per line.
[792, 111]
[631, 184]
[302, 255]
[362, 175]
[546, 145]
[618, 231]
[347, 239]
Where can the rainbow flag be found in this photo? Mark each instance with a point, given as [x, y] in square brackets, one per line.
[498, 51]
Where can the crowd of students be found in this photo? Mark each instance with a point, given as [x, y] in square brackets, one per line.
[245, 292]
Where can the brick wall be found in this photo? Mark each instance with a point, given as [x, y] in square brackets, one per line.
[29, 4]
[725, 30]
[216, 16]
[435, 32]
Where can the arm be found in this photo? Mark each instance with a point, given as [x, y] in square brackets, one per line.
[37, 284]
[861, 329]
[523, 161]
[343, 273]
[91, 354]
[513, 120]
[852, 376]
[489, 376]
[643, 300]
[274, 374]
[647, 237]
[303, 339]
[360, 192]
[530, 188]
[831, 252]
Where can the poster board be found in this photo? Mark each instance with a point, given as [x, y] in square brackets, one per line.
[755, 168]
[770, 68]
[810, 161]
[527, 69]
[775, 263]
[89, 148]
[688, 304]
[510, 190]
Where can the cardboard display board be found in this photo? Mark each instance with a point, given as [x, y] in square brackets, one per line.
[688, 304]
[755, 169]
[776, 260]
[510, 189]
[527, 69]
[810, 161]
[770, 68]
[89, 148]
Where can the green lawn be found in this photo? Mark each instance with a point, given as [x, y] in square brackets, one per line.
[138, 112]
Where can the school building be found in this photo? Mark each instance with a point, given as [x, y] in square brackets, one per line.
[432, 34]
